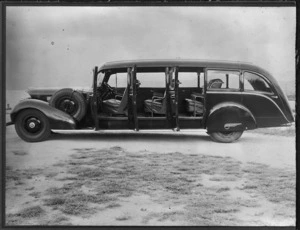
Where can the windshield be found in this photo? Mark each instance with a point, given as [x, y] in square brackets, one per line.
[100, 78]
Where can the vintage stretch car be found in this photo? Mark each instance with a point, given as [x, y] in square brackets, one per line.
[225, 98]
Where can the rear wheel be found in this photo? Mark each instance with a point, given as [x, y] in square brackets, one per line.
[226, 136]
[32, 125]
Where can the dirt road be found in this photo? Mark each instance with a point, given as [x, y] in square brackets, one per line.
[192, 179]
[277, 151]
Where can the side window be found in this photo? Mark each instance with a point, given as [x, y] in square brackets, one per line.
[219, 79]
[253, 82]
[190, 79]
[151, 79]
[118, 80]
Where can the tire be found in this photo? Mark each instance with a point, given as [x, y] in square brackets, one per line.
[225, 137]
[32, 125]
[70, 102]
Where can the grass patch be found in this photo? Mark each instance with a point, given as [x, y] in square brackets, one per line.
[65, 189]
[18, 182]
[113, 205]
[116, 148]
[71, 200]
[224, 178]
[118, 173]
[123, 217]
[212, 208]
[84, 149]
[58, 220]
[74, 204]
[278, 186]
[59, 164]
[21, 175]
[96, 179]
[35, 194]
[20, 153]
[249, 203]
[31, 212]
[226, 189]
[51, 174]
[226, 210]
[248, 187]
[173, 216]
[54, 202]
[73, 207]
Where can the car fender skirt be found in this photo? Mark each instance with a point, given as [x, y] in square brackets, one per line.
[57, 118]
[230, 116]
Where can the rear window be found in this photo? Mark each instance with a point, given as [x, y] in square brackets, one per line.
[253, 82]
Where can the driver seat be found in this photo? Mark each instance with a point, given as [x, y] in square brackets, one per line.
[116, 106]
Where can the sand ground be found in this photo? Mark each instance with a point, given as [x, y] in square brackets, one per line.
[192, 179]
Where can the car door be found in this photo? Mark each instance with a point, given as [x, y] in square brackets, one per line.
[177, 82]
[190, 101]
[94, 100]
[132, 85]
[172, 85]
[222, 85]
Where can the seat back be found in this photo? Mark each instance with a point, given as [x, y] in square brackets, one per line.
[164, 104]
[215, 83]
[124, 101]
[163, 108]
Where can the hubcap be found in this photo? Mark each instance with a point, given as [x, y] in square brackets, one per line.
[68, 106]
[32, 125]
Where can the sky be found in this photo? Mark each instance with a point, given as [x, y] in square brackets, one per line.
[59, 46]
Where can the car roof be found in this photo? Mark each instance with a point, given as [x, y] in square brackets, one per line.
[152, 63]
[181, 63]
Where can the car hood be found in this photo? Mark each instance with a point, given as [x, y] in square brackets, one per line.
[50, 91]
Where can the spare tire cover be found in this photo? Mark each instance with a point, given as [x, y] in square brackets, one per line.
[69, 101]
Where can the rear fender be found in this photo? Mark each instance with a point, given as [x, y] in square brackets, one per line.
[230, 116]
[57, 118]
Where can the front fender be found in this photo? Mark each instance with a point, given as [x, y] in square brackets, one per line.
[57, 118]
[230, 116]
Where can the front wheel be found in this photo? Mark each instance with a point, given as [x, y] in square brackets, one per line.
[32, 125]
[226, 137]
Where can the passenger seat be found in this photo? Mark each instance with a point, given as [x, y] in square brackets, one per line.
[157, 104]
[115, 106]
[195, 104]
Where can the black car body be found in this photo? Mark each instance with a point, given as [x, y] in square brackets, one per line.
[226, 98]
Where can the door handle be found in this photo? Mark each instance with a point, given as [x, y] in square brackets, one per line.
[274, 96]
